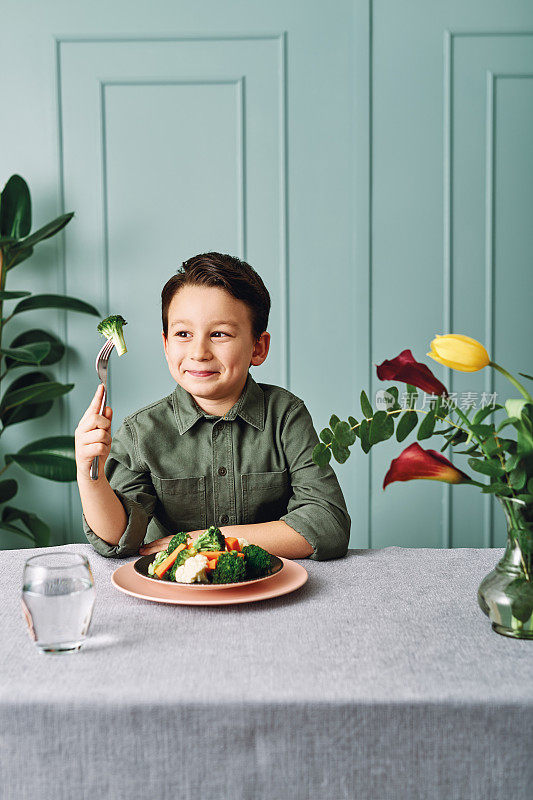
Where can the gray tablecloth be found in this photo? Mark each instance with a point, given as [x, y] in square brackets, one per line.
[380, 678]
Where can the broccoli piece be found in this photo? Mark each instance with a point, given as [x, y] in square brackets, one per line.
[182, 557]
[159, 557]
[179, 538]
[111, 328]
[258, 560]
[230, 568]
[211, 539]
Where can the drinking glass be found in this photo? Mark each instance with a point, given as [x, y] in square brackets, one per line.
[57, 600]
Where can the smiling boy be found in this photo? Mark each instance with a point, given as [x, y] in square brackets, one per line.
[221, 449]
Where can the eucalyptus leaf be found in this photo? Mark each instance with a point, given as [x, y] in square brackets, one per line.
[363, 435]
[366, 408]
[426, 426]
[55, 301]
[486, 467]
[381, 427]
[326, 435]
[333, 421]
[406, 423]
[343, 434]
[517, 478]
[497, 488]
[340, 453]
[321, 454]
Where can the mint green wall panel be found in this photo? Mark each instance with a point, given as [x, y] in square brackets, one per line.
[371, 158]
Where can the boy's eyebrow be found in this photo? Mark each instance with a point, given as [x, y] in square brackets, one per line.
[218, 322]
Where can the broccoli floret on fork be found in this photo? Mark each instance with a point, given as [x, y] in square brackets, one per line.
[111, 328]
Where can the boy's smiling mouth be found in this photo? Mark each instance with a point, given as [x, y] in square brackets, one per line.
[200, 374]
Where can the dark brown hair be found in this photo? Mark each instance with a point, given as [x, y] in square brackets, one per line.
[229, 273]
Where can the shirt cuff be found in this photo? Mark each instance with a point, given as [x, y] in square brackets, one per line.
[327, 541]
[131, 539]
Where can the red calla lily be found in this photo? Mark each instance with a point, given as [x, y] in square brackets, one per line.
[414, 462]
[405, 368]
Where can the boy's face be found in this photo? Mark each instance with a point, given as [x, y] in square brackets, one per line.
[210, 331]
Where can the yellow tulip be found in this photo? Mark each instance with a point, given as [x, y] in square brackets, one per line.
[459, 352]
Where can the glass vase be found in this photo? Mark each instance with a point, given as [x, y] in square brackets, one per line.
[505, 595]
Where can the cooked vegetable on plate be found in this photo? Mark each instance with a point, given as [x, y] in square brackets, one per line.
[211, 558]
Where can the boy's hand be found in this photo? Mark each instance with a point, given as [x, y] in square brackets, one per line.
[163, 543]
[92, 436]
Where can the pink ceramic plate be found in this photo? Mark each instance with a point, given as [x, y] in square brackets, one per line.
[291, 577]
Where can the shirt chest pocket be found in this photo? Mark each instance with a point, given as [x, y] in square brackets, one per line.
[265, 495]
[183, 502]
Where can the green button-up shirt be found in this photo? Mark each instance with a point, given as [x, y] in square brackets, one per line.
[176, 468]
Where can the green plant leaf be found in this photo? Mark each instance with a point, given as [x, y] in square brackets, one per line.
[483, 431]
[363, 436]
[520, 592]
[480, 415]
[517, 478]
[34, 335]
[343, 434]
[381, 427]
[30, 354]
[45, 390]
[340, 453]
[8, 489]
[13, 295]
[497, 488]
[427, 426]
[333, 421]
[28, 410]
[19, 255]
[50, 229]
[365, 405]
[486, 467]
[39, 530]
[406, 423]
[326, 435]
[52, 458]
[321, 454]
[15, 208]
[55, 301]
[353, 422]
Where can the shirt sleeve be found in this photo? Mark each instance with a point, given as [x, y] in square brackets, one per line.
[133, 486]
[316, 509]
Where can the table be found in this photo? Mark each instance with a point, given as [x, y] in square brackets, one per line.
[378, 679]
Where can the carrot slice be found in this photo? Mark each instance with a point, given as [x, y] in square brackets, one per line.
[232, 543]
[209, 554]
[169, 560]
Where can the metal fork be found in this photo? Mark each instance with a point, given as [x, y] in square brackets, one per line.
[101, 368]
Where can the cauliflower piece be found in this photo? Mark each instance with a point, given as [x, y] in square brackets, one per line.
[193, 570]
[243, 542]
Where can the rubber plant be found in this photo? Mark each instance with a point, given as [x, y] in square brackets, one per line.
[29, 395]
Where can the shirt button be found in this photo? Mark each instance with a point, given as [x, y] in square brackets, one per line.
[224, 518]
[222, 470]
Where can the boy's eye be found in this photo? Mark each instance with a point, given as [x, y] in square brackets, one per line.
[222, 332]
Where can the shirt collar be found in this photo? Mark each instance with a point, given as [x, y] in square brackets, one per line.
[250, 406]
